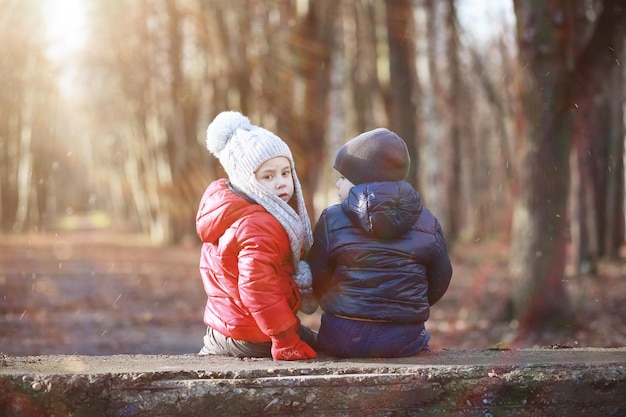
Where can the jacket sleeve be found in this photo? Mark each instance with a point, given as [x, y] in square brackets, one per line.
[263, 284]
[439, 268]
[322, 267]
[201, 225]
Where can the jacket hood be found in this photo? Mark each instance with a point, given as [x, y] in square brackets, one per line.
[385, 210]
[221, 206]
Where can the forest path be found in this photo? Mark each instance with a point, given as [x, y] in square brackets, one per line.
[98, 293]
[95, 292]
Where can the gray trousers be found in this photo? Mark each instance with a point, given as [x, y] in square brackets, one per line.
[216, 343]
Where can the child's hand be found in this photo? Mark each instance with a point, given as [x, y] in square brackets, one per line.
[288, 346]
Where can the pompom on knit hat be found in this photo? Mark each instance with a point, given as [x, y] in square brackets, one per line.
[242, 148]
[374, 156]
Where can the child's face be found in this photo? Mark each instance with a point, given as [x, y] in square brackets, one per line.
[343, 185]
[275, 175]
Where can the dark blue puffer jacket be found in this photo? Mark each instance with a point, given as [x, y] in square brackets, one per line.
[380, 255]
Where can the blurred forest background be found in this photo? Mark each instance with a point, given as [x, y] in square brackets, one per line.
[513, 113]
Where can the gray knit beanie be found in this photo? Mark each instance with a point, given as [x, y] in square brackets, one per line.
[373, 156]
[241, 148]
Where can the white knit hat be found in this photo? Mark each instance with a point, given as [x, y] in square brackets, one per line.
[241, 148]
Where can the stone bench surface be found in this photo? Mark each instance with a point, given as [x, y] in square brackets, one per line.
[524, 382]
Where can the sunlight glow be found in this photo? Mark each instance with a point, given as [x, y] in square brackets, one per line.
[65, 20]
[484, 18]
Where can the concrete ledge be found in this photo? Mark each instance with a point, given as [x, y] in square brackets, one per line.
[533, 382]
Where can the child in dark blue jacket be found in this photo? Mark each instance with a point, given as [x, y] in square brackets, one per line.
[379, 259]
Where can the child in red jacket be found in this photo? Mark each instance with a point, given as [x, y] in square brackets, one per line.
[255, 232]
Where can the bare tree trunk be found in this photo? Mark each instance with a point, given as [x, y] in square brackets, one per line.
[434, 145]
[9, 162]
[29, 154]
[455, 102]
[363, 59]
[318, 29]
[404, 86]
[180, 123]
[540, 227]
[565, 86]
[597, 83]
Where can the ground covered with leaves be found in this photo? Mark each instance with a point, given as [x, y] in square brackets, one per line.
[99, 293]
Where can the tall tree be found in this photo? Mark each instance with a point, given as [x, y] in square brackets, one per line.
[557, 63]
[181, 119]
[362, 58]
[28, 108]
[540, 223]
[297, 84]
[455, 97]
[404, 85]
[598, 80]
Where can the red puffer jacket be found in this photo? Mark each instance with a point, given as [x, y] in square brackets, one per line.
[246, 266]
